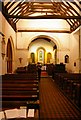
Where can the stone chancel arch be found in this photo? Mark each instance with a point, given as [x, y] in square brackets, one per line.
[52, 39]
[44, 45]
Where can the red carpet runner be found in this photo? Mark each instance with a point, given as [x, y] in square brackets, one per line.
[44, 74]
[53, 104]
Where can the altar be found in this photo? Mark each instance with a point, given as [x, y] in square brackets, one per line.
[43, 67]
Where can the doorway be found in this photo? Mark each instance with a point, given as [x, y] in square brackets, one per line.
[9, 57]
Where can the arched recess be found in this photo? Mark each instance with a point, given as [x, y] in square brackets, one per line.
[9, 56]
[54, 42]
[33, 57]
[41, 55]
[66, 59]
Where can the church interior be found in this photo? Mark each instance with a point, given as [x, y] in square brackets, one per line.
[45, 32]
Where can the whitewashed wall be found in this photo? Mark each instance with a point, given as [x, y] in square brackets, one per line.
[74, 52]
[62, 40]
[0, 44]
[67, 44]
[8, 32]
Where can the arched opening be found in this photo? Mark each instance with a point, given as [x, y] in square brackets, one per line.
[32, 57]
[48, 44]
[9, 57]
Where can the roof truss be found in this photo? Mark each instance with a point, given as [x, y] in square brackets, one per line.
[40, 9]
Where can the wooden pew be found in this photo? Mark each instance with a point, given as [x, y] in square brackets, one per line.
[17, 104]
[20, 81]
[17, 87]
[29, 76]
[7, 104]
[70, 83]
[15, 92]
[75, 95]
[19, 97]
[62, 78]
[20, 89]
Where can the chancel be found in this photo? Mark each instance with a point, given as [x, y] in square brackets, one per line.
[47, 32]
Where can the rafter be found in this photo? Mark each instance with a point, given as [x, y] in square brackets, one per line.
[9, 21]
[76, 5]
[14, 11]
[73, 8]
[68, 11]
[15, 8]
[10, 5]
[7, 4]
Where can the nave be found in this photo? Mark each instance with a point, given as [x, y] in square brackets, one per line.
[45, 97]
[46, 32]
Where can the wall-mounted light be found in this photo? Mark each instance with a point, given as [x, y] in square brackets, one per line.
[3, 47]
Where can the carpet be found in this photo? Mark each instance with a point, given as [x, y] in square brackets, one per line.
[53, 104]
[44, 74]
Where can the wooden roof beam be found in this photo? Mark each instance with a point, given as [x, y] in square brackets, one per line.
[68, 10]
[35, 11]
[43, 17]
[52, 31]
[26, 10]
[23, 11]
[4, 12]
[19, 12]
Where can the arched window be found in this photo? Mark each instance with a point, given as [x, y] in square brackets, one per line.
[48, 57]
[41, 55]
[66, 59]
[33, 57]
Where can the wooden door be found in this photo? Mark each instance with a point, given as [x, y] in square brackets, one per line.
[9, 57]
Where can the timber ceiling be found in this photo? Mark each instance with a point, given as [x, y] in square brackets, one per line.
[69, 10]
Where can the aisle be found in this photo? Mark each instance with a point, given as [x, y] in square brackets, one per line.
[44, 74]
[53, 104]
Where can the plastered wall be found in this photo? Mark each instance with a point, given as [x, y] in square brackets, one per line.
[67, 44]
[75, 47]
[8, 33]
[60, 39]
